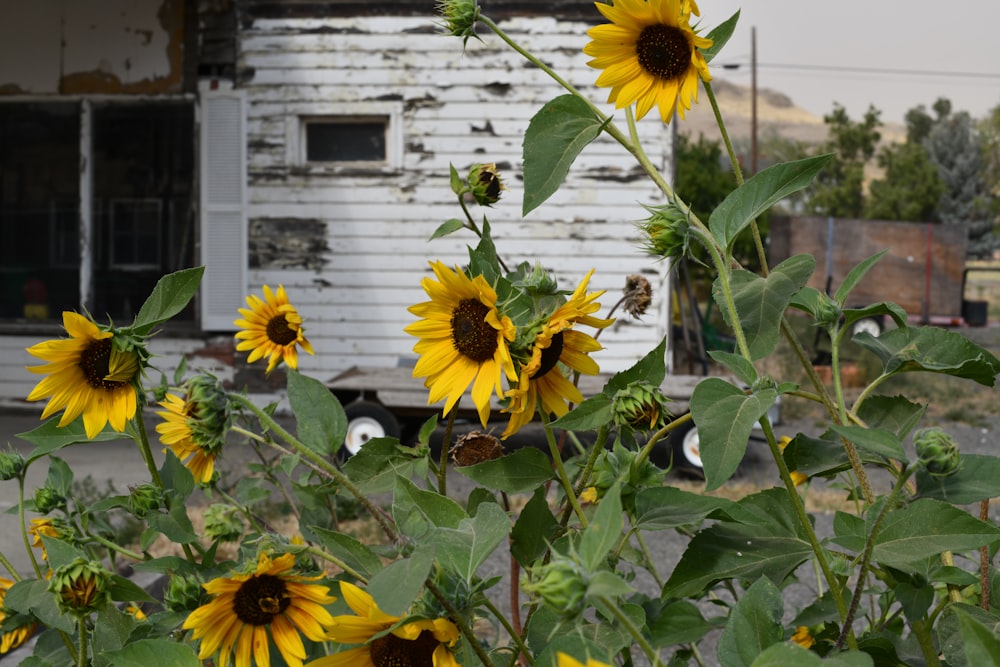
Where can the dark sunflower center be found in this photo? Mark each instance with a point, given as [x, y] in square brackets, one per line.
[550, 356]
[260, 598]
[393, 651]
[95, 363]
[664, 51]
[278, 331]
[470, 333]
[492, 184]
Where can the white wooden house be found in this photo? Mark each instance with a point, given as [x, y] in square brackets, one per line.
[287, 142]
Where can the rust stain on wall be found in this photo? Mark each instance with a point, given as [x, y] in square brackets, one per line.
[288, 243]
[171, 18]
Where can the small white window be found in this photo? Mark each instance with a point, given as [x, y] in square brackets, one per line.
[356, 140]
[332, 137]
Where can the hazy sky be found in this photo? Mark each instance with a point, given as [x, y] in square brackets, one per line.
[920, 35]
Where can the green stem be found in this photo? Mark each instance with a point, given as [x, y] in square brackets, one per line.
[595, 451]
[807, 526]
[330, 558]
[626, 622]
[738, 171]
[459, 621]
[922, 631]
[318, 461]
[728, 301]
[147, 454]
[24, 526]
[81, 658]
[564, 479]
[838, 391]
[116, 547]
[14, 574]
[521, 646]
[442, 472]
[866, 556]
[650, 563]
[659, 435]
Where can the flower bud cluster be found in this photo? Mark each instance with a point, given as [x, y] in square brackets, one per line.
[561, 583]
[81, 587]
[937, 452]
[640, 405]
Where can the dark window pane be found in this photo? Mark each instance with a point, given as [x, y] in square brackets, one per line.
[345, 141]
[143, 189]
[39, 202]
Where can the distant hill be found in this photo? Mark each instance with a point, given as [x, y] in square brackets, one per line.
[776, 112]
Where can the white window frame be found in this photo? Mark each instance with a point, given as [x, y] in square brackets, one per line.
[391, 113]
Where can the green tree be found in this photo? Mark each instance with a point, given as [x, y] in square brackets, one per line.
[910, 187]
[957, 150]
[838, 189]
[701, 175]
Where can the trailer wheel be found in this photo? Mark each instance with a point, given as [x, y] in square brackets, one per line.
[868, 325]
[684, 442]
[366, 420]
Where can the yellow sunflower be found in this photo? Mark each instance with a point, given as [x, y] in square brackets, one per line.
[88, 375]
[565, 660]
[12, 638]
[236, 621]
[196, 426]
[47, 527]
[463, 339]
[803, 636]
[542, 378]
[649, 55]
[413, 644]
[271, 327]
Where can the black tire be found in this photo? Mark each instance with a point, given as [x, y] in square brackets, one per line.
[366, 420]
[684, 443]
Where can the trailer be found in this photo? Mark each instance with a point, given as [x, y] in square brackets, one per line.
[924, 270]
[390, 402]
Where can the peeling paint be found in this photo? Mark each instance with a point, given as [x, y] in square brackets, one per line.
[288, 243]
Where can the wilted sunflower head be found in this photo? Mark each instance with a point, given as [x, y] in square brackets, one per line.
[650, 55]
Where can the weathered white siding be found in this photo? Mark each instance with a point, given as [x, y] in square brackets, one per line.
[351, 247]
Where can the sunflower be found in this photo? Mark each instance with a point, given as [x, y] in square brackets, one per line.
[541, 378]
[413, 644]
[273, 328]
[565, 660]
[246, 605]
[87, 374]
[196, 426]
[11, 639]
[49, 528]
[463, 339]
[650, 55]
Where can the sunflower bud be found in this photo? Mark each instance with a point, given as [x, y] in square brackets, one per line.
[561, 583]
[183, 593]
[223, 523]
[11, 465]
[475, 447]
[937, 452]
[638, 295]
[81, 587]
[144, 498]
[667, 229]
[48, 499]
[640, 405]
[458, 17]
[827, 312]
[485, 184]
[209, 411]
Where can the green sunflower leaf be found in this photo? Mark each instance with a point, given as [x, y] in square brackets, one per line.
[398, 584]
[934, 350]
[725, 415]
[447, 227]
[719, 35]
[153, 652]
[855, 276]
[322, 423]
[50, 437]
[761, 302]
[169, 297]
[555, 136]
[760, 193]
[754, 624]
[521, 471]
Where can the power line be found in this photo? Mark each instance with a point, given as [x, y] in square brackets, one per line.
[869, 70]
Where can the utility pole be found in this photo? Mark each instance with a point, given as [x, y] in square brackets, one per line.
[753, 100]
